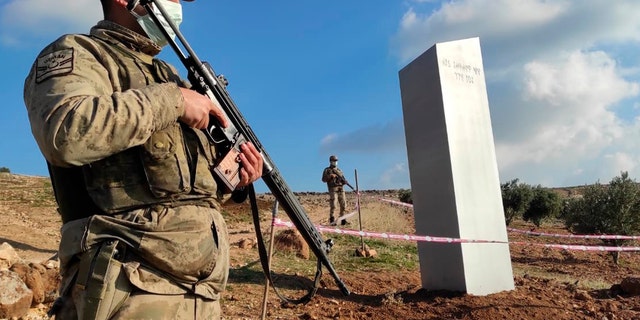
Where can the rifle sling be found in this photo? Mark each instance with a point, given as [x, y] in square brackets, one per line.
[264, 258]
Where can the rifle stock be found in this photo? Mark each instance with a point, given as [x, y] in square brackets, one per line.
[228, 140]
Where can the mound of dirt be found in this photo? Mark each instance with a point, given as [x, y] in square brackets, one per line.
[290, 240]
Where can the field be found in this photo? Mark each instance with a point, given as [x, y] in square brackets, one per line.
[550, 283]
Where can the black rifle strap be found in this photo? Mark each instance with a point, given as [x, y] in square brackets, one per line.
[264, 258]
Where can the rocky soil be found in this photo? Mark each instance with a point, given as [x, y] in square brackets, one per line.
[549, 283]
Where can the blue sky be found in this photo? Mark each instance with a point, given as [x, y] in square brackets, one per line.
[321, 78]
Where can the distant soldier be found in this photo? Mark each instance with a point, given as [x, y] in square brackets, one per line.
[335, 180]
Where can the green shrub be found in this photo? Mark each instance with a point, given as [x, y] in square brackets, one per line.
[612, 209]
[515, 199]
[5, 169]
[405, 196]
[544, 204]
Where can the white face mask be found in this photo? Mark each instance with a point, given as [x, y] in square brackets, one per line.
[334, 163]
[173, 9]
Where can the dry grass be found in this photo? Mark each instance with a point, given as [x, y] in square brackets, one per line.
[384, 217]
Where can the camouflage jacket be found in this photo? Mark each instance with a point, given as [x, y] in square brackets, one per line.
[333, 184]
[104, 113]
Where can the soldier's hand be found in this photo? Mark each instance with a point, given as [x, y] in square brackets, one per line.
[198, 107]
[251, 168]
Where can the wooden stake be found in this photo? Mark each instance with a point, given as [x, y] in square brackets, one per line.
[266, 284]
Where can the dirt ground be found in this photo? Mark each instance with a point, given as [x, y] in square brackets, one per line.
[549, 283]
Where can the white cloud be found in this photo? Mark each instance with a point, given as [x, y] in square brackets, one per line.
[393, 176]
[569, 114]
[329, 139]
[576, 79]
[618, 162]
[23, 20]
[562, 101]
[517, 31]
[570, 121]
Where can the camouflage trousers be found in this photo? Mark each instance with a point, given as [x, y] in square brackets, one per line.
[340, 197]
[142, 305]
[151, 263]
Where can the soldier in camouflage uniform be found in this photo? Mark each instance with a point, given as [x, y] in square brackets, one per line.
[142, 234]
[335, 180]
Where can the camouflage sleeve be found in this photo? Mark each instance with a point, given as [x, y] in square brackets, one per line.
[76, 114]
[325, 175]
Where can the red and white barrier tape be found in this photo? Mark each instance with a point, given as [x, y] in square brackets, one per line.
[399, 203]
[576, 236]
[384, 235]
[579, 247]
[557, 235]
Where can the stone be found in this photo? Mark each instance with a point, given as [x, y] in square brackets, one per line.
[247, 243]
[15, 298]
[366, 252]
[32, 278]
[8, 256]
[630, 285]
[582, 295]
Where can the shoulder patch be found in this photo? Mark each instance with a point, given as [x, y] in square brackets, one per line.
[54, 64]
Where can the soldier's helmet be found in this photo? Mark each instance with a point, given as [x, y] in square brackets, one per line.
[333, 158]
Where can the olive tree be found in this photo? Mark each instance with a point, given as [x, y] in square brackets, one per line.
[544, 204]
[515, 199]
[612, 209]
[405, 195]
